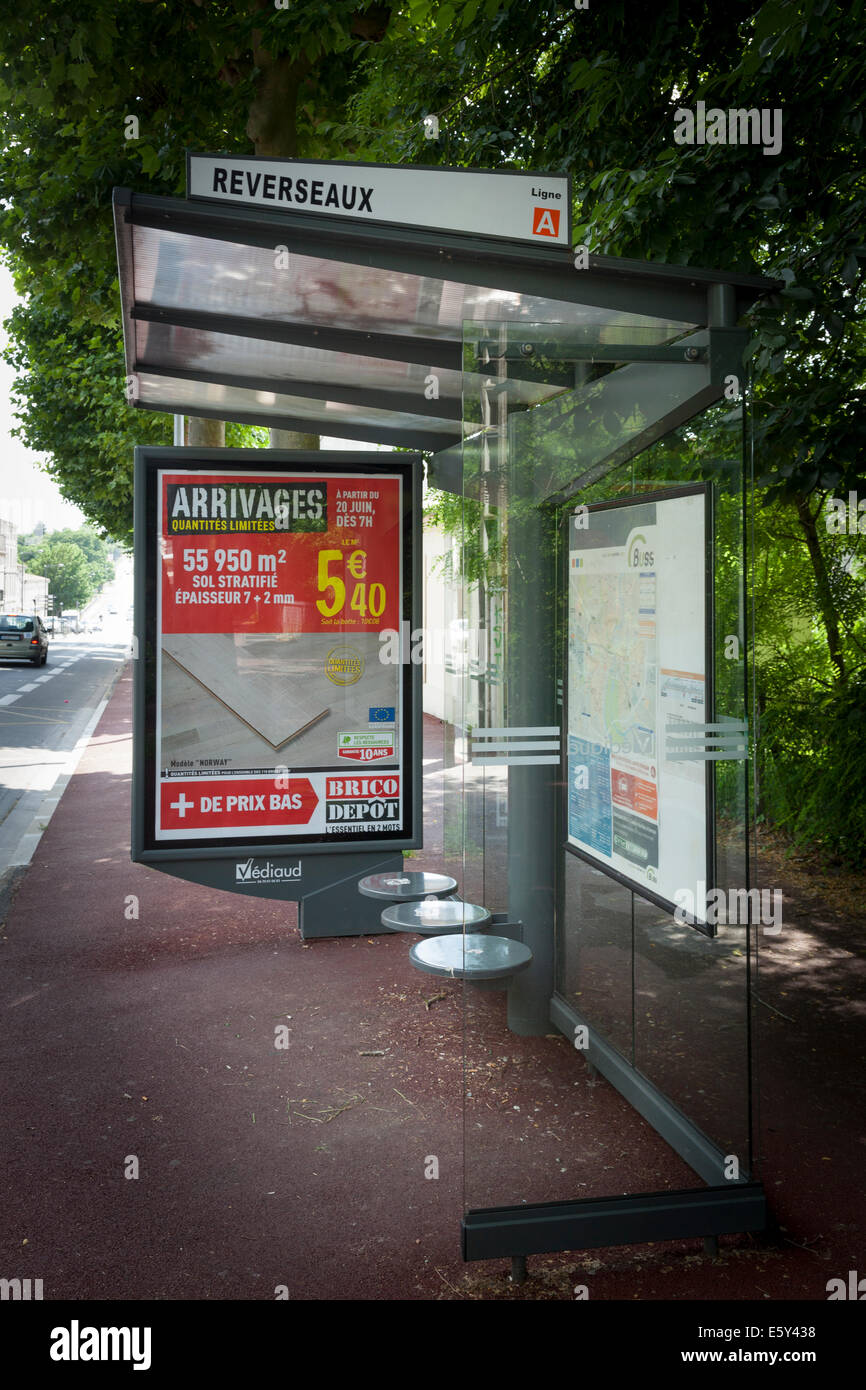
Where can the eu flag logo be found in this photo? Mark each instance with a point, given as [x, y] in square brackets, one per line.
[383, 714]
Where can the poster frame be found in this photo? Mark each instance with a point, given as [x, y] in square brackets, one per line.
[149, 460]
[705, 489]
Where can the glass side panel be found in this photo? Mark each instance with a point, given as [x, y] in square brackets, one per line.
[602, 811]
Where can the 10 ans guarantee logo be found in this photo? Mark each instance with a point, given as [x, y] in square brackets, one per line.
[366, 747]
[249, 871]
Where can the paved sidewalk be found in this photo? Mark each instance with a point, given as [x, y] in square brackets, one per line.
[138, 1028]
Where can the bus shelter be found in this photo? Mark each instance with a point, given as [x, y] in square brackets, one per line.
[589, 420]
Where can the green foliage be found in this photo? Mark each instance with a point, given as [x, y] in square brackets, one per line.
[219, 76]
[541, 86]
[594, 93]
[814, 768]
[94, 549]
[224, 75]
[812, 745]
[73, 408]
[461, 518]
[240, 436]
[66, 568]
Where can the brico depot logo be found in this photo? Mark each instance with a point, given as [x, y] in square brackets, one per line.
[248, 871]
[364, 799]
[344, 666]
[545, 221]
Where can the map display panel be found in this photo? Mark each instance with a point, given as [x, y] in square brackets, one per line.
[637, 674]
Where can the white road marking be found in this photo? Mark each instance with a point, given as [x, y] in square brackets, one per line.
[8, 699]
[22, 688]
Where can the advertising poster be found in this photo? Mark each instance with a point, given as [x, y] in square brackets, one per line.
[637, 674]
[276, 717]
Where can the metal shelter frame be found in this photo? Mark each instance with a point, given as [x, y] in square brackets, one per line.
[190, 336]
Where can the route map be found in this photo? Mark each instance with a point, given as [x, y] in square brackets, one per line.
[630, 567]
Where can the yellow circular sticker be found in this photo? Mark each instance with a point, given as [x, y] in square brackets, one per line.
[344, 666]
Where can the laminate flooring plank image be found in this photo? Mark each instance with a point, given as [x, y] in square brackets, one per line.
[285, 689]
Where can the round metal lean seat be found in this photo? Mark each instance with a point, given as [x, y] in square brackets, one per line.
[484, 960]
[406, 887]
[440, 917]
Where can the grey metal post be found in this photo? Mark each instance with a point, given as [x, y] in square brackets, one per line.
[721, 306]
[531, 703]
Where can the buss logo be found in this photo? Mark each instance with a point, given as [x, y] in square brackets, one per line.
[545, 221]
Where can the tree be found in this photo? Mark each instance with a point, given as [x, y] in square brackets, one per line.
[93, 548]
[65, 567]
[593, 91]
[114, 95]
[596, 92]
[73, 408]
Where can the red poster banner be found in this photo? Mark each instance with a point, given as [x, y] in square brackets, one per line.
[219, 802]
[302, 553]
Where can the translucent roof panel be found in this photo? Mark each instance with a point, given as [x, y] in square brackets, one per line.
[287, 366]
[182, 397]
[358, 329]
[178, 271]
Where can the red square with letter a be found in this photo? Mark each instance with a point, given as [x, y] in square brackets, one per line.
[545, 221]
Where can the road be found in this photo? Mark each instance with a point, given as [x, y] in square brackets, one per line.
[43, 713]
[45, 710]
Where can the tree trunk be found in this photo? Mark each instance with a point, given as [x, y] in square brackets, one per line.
[208, 434]
[292, 439]
[272, 127]
[272, 121]
[829, 615]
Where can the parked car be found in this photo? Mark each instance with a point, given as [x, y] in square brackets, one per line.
[23, 638]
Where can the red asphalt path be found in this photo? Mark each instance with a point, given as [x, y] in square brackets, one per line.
[139, 1017]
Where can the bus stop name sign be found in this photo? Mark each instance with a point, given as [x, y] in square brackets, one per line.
[533, 208]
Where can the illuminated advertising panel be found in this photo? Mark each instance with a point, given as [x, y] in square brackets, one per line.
[277, 712]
